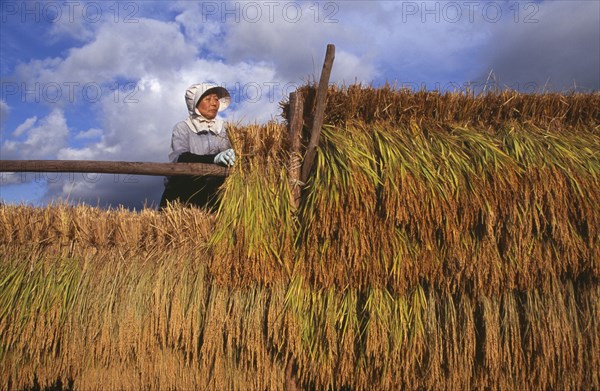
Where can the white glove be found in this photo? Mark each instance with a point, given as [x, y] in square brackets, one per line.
[225, 158]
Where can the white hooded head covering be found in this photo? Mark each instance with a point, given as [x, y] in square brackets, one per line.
[196, 121]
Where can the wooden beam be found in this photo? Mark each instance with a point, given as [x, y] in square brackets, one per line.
[109, 167]
[295, 133]
[321, 101]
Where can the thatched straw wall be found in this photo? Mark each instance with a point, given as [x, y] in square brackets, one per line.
[442, 242]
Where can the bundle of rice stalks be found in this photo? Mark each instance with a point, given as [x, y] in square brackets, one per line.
[430, 339]
[148, 321]
[490, 110]
[459, 207]
[253, 239]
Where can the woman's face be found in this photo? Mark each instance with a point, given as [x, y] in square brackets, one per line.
[209, 106]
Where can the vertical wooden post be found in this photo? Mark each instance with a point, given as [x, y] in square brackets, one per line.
[295, 133]
[321, 100]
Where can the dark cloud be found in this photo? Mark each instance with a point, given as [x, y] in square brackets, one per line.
[557, 50]
[106, 190]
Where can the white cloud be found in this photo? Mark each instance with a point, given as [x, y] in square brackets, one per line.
[43, 138]
[9, 178]
[71, 20]
[350, 68]
[91, 133]
[4, 110]
[199, 31]
[24, 127]
[119, 50]
[68, 153]
[294, 42]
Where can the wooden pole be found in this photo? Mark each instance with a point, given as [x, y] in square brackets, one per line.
[295, 132]
[108, 167]
[296, 122]
[317, 124]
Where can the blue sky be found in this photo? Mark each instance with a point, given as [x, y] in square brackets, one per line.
[99, 80]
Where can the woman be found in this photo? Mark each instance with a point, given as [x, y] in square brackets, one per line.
[201, 138]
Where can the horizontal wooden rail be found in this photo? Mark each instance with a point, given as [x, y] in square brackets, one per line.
[109, 167]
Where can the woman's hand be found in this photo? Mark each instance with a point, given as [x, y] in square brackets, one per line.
[226, 158]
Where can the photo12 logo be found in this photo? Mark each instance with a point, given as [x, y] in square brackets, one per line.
[469, 11]
[8, 178]
[254, 92]
[269, 11]
[69, 91]
[68, 11]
